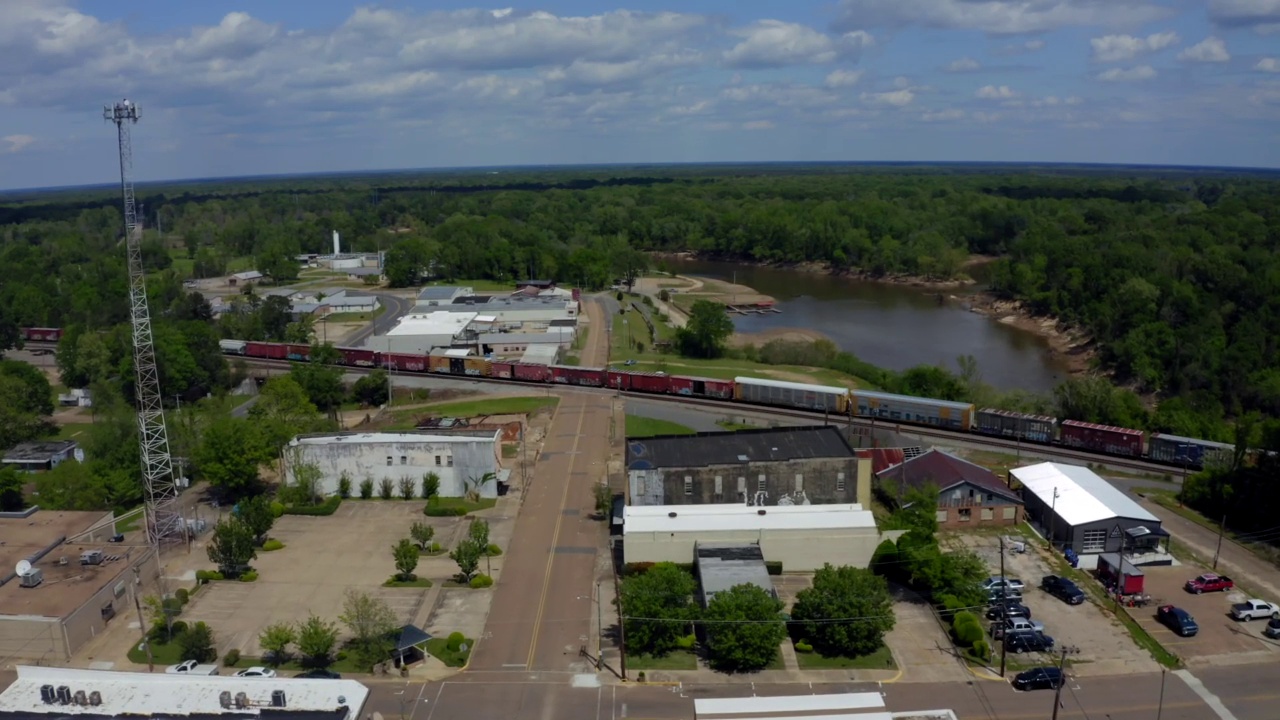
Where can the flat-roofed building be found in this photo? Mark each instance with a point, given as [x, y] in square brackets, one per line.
[420, 333]
[40, 456]
[456, 456]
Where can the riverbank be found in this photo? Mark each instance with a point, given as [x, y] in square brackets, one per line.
[857, 274]
[1073, 346]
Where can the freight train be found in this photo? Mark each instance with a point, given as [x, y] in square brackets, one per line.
[896, 409]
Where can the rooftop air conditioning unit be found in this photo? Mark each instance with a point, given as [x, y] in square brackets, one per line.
[95, 698]
[91, 557]
[224, 699]
[32, 578]
[48, 694]
[64, 695]
[242, 701]
[82, 698]
[277, 698]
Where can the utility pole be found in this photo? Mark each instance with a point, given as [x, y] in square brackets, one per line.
[146, 642]
[1004, 608]
[1222, 529]
[391, 368]
[599, 627]
[1062, 670]
[1160, 708]
[1053, 516]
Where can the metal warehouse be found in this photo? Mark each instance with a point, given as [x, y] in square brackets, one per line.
[766, 467]
[801, 537]
[456, 457]
[1077, 509]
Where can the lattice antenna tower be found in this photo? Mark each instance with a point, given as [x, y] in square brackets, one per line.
[164, 520]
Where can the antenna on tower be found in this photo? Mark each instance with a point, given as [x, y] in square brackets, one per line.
[164, 521]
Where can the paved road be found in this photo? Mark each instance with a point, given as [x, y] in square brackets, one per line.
[396, 308]
[1248, 693]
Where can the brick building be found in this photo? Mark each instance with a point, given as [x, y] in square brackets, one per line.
[968, 494]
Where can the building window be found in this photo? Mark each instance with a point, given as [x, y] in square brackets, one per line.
[942, 515]
[449, 461]
[965, 514]
[388, 460]
[437, 461]
[760, 484]
[839, 482]
[988, 514]
[688, 485]
[1010, 513]
[1093, 541]
[719, 485]
[404, 460]
[799, 482]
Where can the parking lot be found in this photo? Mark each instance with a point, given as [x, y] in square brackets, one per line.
[1220, 640]
[323, 558]
[1104, 646]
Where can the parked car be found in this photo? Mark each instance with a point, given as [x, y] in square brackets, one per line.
[994, 585]
[1013, 625]
[1041, 678]
[1027, 641]
[1255, 609]
[319, 674]
[1209, 582]
[257, 672]
[191, 667]
[1177, 620]
[1273, 628]
[1062, 588]
[1008, 609]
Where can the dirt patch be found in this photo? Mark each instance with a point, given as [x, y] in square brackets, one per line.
[786, 334]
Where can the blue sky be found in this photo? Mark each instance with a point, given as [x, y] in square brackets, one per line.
[243, 88]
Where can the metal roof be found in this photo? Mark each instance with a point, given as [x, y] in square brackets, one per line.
[432, 323]
[1016, 414]
[803, 387]
[945, 471]
[722, 566]
[1096, 426]
[737, 448]
[38, 451]
[870, 395]
[1194, 441]
[355, 438]
[730, 518]
[540, 354]
[1083, 497]
[442, 292]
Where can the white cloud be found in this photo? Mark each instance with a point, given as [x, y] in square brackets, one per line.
[773, 43]
[1141, 72]
[964, 64]
[842, 78]
[896, 98]
[999, 17]
[758, 125]
[1211, 49]
[17, 143]
[1268, 64]
[991, 92]
[942, 115]
[1111, 48]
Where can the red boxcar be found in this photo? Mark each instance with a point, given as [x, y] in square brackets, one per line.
[404, 363]
[532, 373]
[502, 370]
[702, 387]
[274, 351]
[651, 382]
[358, 357]
[42, 334]
[298, 352]
[1102, 438]
[572, 375]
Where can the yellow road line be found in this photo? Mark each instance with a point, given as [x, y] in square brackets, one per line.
[555, 537]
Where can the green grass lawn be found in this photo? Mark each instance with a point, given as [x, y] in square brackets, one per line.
[418, 583]
[439, 647]
[130, 521]
[674, 660]
[640, 427]
[161, 653]
[465, 504]
[345, 664]
[72, 431]
[881, 659]
[477, 285]
[493, 406]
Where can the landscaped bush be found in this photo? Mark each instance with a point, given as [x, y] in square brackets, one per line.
[687, 642]
[178, 628]
[231, 658]
[172, 605]
[249, 576]
[481, 581]
[435, 549]
[366, 488]
[182, 595]
[493, 550]
[204, 576]
[803, 647]
[982, 649]
[966, 629]
[636, 568]
[277, 508]
[446, 511]
[328, 507]
[272, 544]
[455, 641]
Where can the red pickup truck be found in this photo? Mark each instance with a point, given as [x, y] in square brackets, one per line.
[1209, 582]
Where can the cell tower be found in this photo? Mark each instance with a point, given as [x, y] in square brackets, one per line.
[164, 521]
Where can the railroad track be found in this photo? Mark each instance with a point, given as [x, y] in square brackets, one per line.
[920, 431]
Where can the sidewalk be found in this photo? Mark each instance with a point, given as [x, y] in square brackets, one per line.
[1233, 560]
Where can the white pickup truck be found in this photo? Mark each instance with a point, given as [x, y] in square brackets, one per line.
[1254, 609]
[191, 667]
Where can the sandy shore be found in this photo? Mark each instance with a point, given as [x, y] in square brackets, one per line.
[788, 334]
[1071, 345]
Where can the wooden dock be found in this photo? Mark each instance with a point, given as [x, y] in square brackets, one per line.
[752, 309]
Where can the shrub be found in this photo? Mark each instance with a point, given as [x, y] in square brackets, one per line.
[432, 511]
[172, 605]
[204, 576]
[687, 642]
[493, 550]
[386, 488]
[455, 641]
[183, 595]
[344, 485]
[328, 507]
[636, 568]
[481, 581]
[277, 508]
[178, 628]
[407, 488]
[272, 544]
[248, 576]
[231, 658]
[803, 647]
[366, 488]
[773, 567]
[966, 629]
[982, 649]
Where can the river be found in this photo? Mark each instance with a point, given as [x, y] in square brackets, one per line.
[892, 326]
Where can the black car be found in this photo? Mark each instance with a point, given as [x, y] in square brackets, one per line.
[1041, 678]
[1020, 642]
[1063, 589]
[1177, 620]
[1008, 609]
[319, 674]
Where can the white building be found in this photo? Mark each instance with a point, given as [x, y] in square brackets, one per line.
[68, 692]
[801, 537]
[457, 457]
[419, 333]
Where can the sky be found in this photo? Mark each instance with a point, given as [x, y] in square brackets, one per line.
[296, 86]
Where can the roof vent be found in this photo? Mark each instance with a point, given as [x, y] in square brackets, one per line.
[224, 699]
[242, 701]
[760, 511]
[342, 699]
[82, 699]
[95, 698]
[671, 514]
[277, 698]
[48, 694]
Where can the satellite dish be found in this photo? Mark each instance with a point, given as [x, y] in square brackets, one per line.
[24, 567]
[79, 455]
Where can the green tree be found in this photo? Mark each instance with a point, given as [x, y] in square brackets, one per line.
[657, 607]
[422, 534]
[846, 612]
[11, 489]
[371, 389]
[316, 640]
[275, 639]
[197, 643]
[705, 333]
[475, 485]
[478, 531]
[320, 378]
[255, 513]
[406, 487]
[406, 556]
[284, 410]
[306, 488]
[231, 546]
[372, 624]
[25, 402]
[744, 628]
[230, 454]
[467, 556]
[430, 485]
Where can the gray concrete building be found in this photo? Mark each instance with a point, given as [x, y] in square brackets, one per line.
[724, 566]
[798, 465]
[459, 457]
